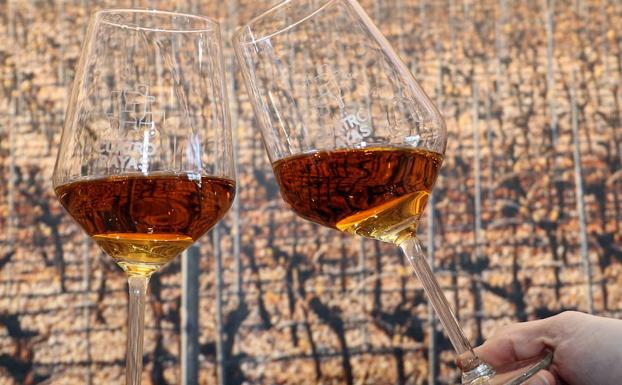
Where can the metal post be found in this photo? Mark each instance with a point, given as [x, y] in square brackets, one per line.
[491, 152]
[452, 32]
[477, 172]
[231, 66]
[431, 315]
[15, 107]
[190, 316]
[550, 72]
[432, 358]
[86, 286]
[604, 27]
[578, 175]
[220, 353]
[501, 48]
[478, 210]
[361, 282]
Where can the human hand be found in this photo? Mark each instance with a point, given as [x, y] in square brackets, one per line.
[587, 349]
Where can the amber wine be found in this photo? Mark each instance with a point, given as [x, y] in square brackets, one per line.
[376, 192]
[144, 221]
[142, 253]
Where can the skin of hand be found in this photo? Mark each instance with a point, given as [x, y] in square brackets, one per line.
[587, 349]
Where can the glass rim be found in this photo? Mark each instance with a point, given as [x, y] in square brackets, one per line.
[211, 24]
[238, 32]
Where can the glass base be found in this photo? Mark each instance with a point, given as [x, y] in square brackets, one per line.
[511, 374]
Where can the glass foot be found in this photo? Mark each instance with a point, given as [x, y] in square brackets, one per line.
[511, 374]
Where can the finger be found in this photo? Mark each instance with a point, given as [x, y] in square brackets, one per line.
[517, 342]
[543, 377]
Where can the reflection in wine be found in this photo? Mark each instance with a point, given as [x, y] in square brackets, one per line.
[375, 192]
[144, 221]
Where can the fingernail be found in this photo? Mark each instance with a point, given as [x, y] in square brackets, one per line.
[539, 380]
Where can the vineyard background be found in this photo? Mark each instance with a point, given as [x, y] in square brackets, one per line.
[524, 221]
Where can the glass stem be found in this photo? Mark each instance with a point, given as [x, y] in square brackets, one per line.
[467, 360]
[136, 325]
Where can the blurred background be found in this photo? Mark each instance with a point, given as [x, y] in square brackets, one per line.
[524, 221]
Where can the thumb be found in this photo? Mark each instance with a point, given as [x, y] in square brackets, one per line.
[518, 342]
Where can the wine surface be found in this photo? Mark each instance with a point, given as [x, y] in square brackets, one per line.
[144, 221]
[376, 192]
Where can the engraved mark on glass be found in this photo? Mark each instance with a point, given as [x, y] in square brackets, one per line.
[133, 118]
[131, 110]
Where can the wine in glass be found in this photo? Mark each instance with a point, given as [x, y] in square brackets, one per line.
[145, 164]
[355, 143]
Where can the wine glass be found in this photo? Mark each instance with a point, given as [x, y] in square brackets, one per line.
[145, 164]
[354, 142]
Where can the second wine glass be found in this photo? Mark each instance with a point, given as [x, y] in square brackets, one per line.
[145, 164]
[355, 143]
